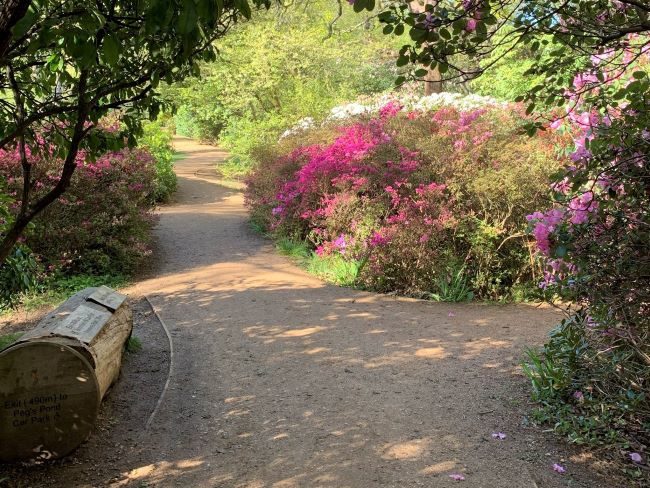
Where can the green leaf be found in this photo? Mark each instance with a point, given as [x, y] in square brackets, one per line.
[244, 8]
[399, 29]
[402, 61]
[111, 50]
[359, 6]
[417, 34]
[385, 16]
[187, 19]
[530, 108]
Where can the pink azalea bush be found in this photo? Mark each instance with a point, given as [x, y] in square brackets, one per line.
[593, 375]
[102, 223]
[412, 197]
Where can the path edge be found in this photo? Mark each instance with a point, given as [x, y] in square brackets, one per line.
[171, 365]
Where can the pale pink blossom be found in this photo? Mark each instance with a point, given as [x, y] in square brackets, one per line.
[636, 457]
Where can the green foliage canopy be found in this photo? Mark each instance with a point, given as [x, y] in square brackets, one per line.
[66, 64]
[279, 68]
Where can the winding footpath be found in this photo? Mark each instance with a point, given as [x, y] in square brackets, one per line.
[282, 381]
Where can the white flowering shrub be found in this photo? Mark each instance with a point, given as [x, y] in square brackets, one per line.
[409, 102]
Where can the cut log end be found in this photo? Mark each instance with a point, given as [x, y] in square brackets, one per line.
[49, 399]
[53, 380]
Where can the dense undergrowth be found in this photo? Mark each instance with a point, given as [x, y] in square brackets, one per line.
[98, 233]
[428, 202]
[592, 378]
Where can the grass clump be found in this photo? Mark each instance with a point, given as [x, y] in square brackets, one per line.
[591, 395]
[453, 288]
[133, 345]
[334, 269]
[54, 290]
[7, 340]
[294, 249]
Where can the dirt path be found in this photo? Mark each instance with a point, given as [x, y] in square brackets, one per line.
[282, 381]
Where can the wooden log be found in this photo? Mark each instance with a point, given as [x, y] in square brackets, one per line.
[53, 379]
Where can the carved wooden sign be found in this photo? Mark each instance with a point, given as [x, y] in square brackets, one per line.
[83, 324]
[53, 379]
[107, 297]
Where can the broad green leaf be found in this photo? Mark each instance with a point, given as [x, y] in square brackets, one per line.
[111, 49]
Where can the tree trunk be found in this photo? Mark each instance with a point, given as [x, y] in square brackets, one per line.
[69, 166]
[21, 223]
[433, 78]
[433, 82]
[11, 11]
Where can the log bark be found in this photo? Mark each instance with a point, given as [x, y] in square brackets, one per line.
[53, 379]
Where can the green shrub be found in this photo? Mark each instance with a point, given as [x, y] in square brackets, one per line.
[591, 395]
[19, 271]
[18, 275]
[102, 224]
[428, 204]
[157, 139]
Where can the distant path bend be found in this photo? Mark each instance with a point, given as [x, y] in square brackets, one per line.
[283, 381]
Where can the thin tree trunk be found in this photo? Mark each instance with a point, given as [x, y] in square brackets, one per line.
[433, 82]
[69, 166]
[433, 78]
[11, 11]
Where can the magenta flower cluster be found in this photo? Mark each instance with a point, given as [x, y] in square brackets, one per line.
[372, 194]
[103, 217]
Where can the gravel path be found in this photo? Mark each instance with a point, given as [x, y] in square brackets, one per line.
[280, 380]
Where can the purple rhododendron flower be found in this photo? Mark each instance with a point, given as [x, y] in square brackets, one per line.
[499, 435]
[558, 468]
[457, 477]
[636, 457]
[340, 243]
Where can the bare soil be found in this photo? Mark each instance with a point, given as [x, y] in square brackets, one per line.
[279, 380]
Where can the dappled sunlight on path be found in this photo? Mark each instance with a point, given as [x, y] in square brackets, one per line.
[283, 381]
